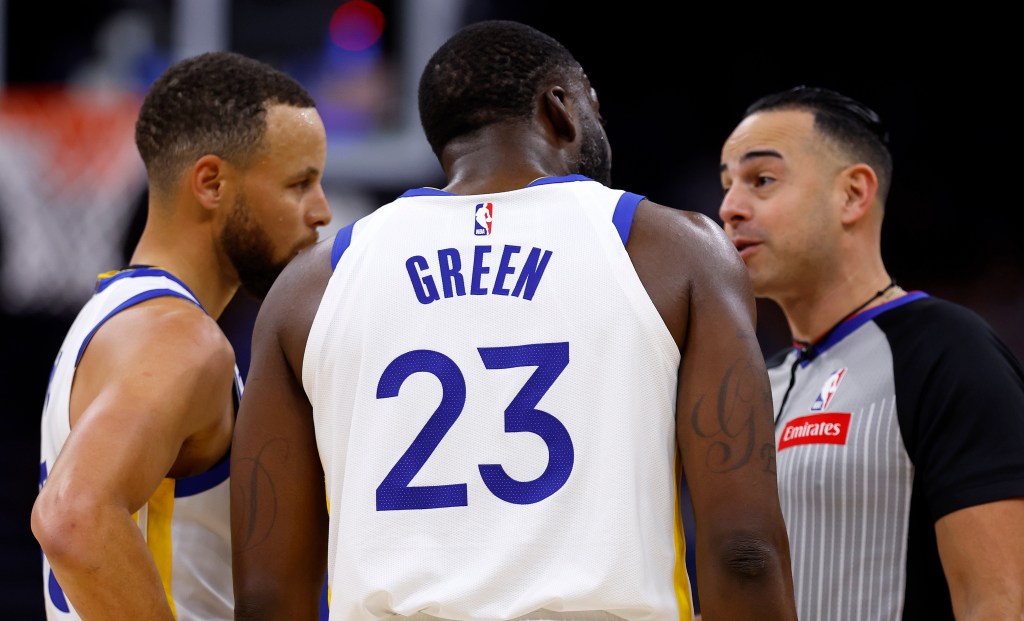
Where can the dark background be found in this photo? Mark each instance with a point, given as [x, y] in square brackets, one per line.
[673, 80]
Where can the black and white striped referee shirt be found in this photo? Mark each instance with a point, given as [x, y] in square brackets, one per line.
[902, 414]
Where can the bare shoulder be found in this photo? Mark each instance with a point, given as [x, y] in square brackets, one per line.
[682, 257]
[165, 356]
[685, 235]
[292, 302]
[167, 331]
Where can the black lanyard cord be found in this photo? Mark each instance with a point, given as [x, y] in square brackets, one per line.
[808, 351]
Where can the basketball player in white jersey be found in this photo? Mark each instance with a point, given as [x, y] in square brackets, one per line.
[499, 409]
[132, 514]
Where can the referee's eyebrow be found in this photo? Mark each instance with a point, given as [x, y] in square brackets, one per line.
[750, 155]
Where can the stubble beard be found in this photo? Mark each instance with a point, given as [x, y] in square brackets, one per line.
[595, 159]
[250, 251]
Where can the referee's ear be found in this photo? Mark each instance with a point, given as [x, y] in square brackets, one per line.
[859, 185]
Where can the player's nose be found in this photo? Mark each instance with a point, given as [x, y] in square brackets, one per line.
[318, 213]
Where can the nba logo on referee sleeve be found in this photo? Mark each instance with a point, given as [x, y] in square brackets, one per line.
[484, 216]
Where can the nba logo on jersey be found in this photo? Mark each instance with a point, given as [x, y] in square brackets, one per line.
[484, 216]
[828, 390]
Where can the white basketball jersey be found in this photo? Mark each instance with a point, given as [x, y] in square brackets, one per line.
[186, 523]
[494, 402]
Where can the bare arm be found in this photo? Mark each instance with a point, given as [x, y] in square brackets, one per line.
[151, 397]
[278, 502]
[982, 552]
[724, 415]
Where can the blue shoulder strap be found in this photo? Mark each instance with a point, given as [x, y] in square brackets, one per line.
[622, 218]
[342, 239]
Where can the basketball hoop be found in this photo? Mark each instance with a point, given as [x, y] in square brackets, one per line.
[69, 176]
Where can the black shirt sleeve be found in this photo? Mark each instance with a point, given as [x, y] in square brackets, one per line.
[960, 402]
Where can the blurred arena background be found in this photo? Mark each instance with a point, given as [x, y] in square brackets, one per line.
[672, 85]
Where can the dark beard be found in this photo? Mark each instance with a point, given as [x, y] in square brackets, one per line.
[250, 250]
[595, 159]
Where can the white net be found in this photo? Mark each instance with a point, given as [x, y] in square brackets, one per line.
[69, 178]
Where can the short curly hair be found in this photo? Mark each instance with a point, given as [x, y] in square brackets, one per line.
[489, 71]
[212, 103]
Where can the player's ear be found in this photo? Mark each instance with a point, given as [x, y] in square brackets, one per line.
[859, 185]
[556, 108]
[207, 180]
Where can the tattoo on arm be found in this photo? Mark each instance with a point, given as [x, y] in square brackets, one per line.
[731, 423]
[260, 499]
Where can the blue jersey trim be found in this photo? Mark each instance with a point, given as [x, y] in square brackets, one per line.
[565, 179]
[132, 301]
[143, 271]
[190, 486]
[56, 593]
[187, 486]
[536, 182]
[425, 192]
[342, 240]
[623, 216]
[860, 319]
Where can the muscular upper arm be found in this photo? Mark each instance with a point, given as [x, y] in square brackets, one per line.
[151, 398]
[278, 504]
[982, 554]
[723, 409]
[700, 286]
[724, 398]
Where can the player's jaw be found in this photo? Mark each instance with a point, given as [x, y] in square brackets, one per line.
[252, 250]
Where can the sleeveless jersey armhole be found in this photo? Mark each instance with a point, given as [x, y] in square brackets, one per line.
[142, 297]
[622, 217]
[342, 240]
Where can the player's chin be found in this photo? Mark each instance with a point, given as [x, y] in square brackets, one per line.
[756, 275]
[762, 284]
